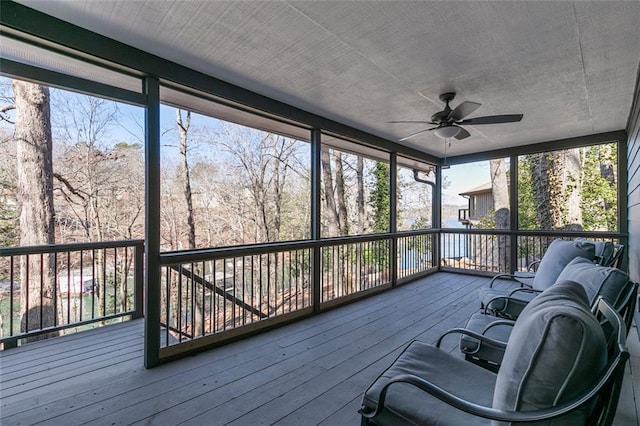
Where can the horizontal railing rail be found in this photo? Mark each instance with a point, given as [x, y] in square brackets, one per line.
[52, 288]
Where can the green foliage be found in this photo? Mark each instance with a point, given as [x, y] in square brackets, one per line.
[380, 198]
[8, 221]
[599, 188]
[127, 145]
[526, 204]
[488, 221]
[377, 254]
[420, 223]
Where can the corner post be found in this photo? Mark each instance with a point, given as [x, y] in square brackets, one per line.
[152, 224]
[436, 214]
[623, 201]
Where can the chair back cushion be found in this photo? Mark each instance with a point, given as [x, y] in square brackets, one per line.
[556, 350]
[610, 283]
[558, 255]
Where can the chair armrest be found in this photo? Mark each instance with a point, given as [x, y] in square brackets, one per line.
[533, 266]
[523, 290]
[475, 335]
[492, 413]
[501, 276]
[497, 323]
[507, 298]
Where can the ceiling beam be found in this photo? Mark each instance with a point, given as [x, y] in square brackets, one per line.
[600, 138]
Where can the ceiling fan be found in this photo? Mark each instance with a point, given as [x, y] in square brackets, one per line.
[448, 121]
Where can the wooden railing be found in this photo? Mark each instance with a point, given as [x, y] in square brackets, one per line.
[488, 252]
[217, 294]
[47, 289]
[212, 295]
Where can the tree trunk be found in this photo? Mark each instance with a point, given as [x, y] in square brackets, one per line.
[557, 189]
[183, 129]
[35, 197]
[341, 204]
[500, 190]
[278, 186]
[329, 199]
[361, 219]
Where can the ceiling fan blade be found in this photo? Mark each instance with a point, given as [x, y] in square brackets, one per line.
[462, 134]
[493, 119]
[420, 122]
[464, 109]
[413, 134]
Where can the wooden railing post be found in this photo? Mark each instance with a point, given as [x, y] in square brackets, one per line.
[138, 280]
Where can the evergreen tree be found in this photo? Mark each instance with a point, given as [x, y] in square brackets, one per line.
[380, 197]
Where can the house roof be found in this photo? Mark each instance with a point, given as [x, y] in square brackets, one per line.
[482, 189]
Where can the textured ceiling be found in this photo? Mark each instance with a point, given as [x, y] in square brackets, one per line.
[569, 67]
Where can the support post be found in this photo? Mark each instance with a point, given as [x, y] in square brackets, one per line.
[437, 216]
[623, 201]
[393, 217]
[152, 224]
[316, 276]
[513, 212]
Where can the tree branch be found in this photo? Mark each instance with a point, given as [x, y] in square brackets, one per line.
[68, 185]
[4, 110]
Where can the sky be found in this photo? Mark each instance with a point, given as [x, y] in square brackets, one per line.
[460, 178]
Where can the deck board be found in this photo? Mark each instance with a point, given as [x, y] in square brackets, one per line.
[309, 372]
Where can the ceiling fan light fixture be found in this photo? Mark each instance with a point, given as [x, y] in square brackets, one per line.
[447, 132]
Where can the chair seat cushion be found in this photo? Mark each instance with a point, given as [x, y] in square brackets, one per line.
[505, 305]
[411, 406]
[525, 277]
[482, 323]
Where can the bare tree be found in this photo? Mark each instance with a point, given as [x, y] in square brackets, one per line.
[264, 162]
[35, 197]
[330, 211]
[341, 203]
[183, 129]
[360, 204]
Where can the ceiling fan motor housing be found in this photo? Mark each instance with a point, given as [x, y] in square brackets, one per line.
[441, 117]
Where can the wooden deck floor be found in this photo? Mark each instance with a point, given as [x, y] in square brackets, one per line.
[306, 373]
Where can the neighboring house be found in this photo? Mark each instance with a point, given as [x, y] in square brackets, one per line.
[480, 204]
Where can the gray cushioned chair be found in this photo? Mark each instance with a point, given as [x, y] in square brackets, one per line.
[508, 303]
[557, 369]
[606, 254]
[604, 251]
[609, 283]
